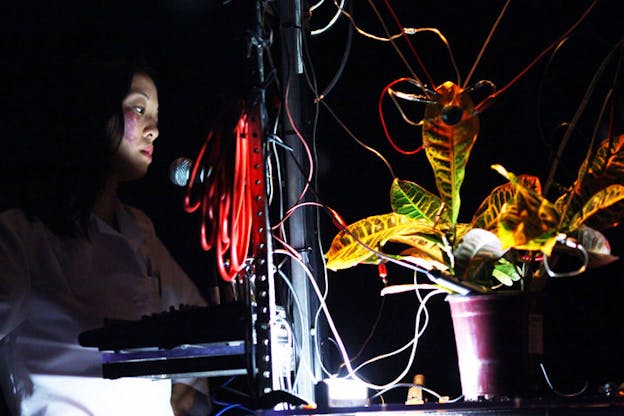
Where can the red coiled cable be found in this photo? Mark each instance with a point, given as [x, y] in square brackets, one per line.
[226, 204]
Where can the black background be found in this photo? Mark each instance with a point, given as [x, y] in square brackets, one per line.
[199, 50]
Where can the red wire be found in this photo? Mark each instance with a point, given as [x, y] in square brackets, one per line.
[190, 207]
[226, 207]
[483, 105]
[409, 43]
[383, 121]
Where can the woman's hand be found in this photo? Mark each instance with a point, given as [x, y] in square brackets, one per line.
[186, 401]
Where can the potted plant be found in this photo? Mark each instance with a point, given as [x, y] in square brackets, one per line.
[513, 239]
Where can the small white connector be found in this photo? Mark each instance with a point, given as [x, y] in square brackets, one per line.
[415, 393]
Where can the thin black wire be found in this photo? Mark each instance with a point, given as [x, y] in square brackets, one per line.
[343, 61]
[577, 115]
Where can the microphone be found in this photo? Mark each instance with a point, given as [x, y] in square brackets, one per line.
[180, 171]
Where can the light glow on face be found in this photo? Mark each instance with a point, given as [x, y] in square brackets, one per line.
[131, 123]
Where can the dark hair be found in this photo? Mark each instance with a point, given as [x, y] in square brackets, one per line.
[73, 125]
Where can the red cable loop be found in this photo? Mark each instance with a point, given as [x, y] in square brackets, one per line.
[383, 121]
[226, 206]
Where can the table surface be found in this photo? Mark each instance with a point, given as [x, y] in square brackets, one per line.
[556, 406]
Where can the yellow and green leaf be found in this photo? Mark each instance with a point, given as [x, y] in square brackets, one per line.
[448, 146]
[411, 199]
[358, 243]
[528, 221]
[602, 210]
[602, 169]
[505, 272]
[487, 214]
[429, 247]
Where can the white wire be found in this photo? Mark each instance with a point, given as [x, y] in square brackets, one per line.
[337, 337]
[317, 314]
[331, 22]
[269, 181]
[414, 341]
[394, 289]
[316, 333]
[557, 392]
[317, 5]
[287, 385]
[428, 390]
[304, 345]
[279, 187]
[569, 243]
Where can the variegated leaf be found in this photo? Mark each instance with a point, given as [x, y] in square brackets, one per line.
[409, 198]
[519, 229]
[351, 247]
[602, 204]
[569, 204]
[608, 160]
[450, 130]
[603, 167]
[528, 221]
[424, 245]
[461, 229]
[608, 217]
[486, 216]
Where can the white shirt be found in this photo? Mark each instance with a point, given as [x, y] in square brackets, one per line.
[52, 289]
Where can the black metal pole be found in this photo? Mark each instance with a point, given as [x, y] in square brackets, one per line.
[302, 229]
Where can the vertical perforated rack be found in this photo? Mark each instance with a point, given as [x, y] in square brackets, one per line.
[263, 301]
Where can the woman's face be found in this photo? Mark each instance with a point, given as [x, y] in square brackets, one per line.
[140, 109]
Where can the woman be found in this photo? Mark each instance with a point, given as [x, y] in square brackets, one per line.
[71, 254]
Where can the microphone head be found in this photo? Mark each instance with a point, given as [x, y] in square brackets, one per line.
[180, 170]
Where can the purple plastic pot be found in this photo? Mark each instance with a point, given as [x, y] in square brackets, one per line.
[496, 355]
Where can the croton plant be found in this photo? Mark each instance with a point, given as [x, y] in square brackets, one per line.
[512, 232]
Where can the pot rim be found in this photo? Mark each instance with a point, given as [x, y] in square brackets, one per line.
[455, 298]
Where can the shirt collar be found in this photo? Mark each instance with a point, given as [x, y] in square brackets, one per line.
[129, 227]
